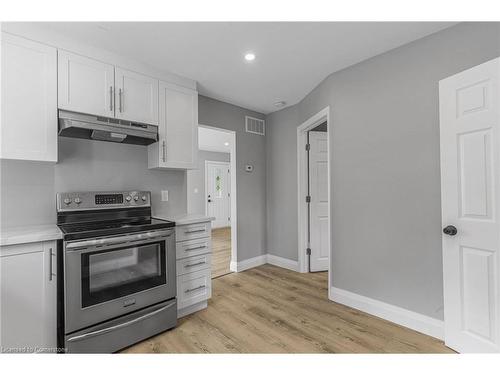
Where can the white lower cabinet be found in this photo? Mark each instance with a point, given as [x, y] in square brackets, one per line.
[28, 297]
[194, 264]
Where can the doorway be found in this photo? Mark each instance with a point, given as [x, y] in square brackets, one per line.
[212, 192]
[218, 192]
[313, 150]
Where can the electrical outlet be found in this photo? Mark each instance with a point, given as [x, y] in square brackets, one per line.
[164, 195]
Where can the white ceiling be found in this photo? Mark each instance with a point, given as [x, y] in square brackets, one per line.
[292, 57]
[214, 140]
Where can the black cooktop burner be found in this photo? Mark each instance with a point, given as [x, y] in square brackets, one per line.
[80, 230]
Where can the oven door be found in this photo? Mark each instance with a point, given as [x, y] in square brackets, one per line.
[109, 277]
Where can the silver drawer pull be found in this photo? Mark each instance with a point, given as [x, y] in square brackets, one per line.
[195, 230]
[194, 264]
[193, 289]
[196, 248]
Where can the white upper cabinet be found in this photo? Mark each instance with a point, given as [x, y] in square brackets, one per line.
[137, 97]
[178, 129]
[85, 85]
[29, 100]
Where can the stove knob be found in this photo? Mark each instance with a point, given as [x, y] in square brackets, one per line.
[136, 198]
[144, 198]
[128, 198]
[78, 200]
[67, 200]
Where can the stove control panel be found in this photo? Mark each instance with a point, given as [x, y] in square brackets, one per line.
[79, 201]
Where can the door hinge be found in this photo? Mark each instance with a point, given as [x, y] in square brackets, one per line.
[308, 251]
[308, 199]
[308, 146]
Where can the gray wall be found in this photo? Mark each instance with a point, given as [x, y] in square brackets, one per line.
[28, 188]
[26, 193]
[251, 187]
[196, 202]
[92, 165]
[386, 213]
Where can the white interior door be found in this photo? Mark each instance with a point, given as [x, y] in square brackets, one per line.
[469, 122]
[318, 187]
[218, 193]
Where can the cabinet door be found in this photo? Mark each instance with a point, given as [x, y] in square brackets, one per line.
[85, 85]
[178, 131]
[28, 294]
[29, 100]
[137, 97]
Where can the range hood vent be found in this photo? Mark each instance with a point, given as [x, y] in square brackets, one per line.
[77, 125]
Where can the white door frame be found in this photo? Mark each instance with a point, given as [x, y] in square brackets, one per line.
[234, 216]
[228, 165]
[311, 123]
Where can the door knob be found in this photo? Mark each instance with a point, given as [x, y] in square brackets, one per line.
[450, 230]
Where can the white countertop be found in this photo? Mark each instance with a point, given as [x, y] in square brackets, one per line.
[31, 233]
[184, 219]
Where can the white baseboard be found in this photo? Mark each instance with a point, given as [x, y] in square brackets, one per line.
[410, 319]
[263, 259]
[248, 263]
[292, 265]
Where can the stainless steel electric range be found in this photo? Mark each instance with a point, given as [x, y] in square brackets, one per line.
[117, 277]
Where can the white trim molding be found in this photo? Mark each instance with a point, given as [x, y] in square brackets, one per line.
[248, 263]
[410, 319]
[289, 264]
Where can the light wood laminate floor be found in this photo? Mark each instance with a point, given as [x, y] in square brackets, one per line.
[268, 309]
[221, 251]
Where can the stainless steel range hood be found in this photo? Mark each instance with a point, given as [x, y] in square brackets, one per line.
[77, 125]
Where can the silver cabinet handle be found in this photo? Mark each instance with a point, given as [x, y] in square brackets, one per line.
[194, 230]
[120, 94]
[51, 266]
[196, 248]
[163, 152]
[118, 326]
[193, 289]
[110, 98]
[194, 264]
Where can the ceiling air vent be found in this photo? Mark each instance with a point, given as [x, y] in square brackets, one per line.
[255, 125]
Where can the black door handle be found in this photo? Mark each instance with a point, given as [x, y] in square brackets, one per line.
[450, 230]
[209, 200]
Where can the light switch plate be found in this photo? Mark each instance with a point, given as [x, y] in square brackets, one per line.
[164, 195]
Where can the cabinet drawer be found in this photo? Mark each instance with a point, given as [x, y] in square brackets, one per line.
[194, 247]
[193, 264]
[191, 231]
[193, 287]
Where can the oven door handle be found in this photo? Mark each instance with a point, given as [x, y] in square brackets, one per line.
[78, 245]
[121, 325]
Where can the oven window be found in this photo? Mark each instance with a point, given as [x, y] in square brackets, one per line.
[111, 274]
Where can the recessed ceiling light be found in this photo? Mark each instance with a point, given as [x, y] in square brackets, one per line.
[249, 56]
[279, 104]
[226, 143]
